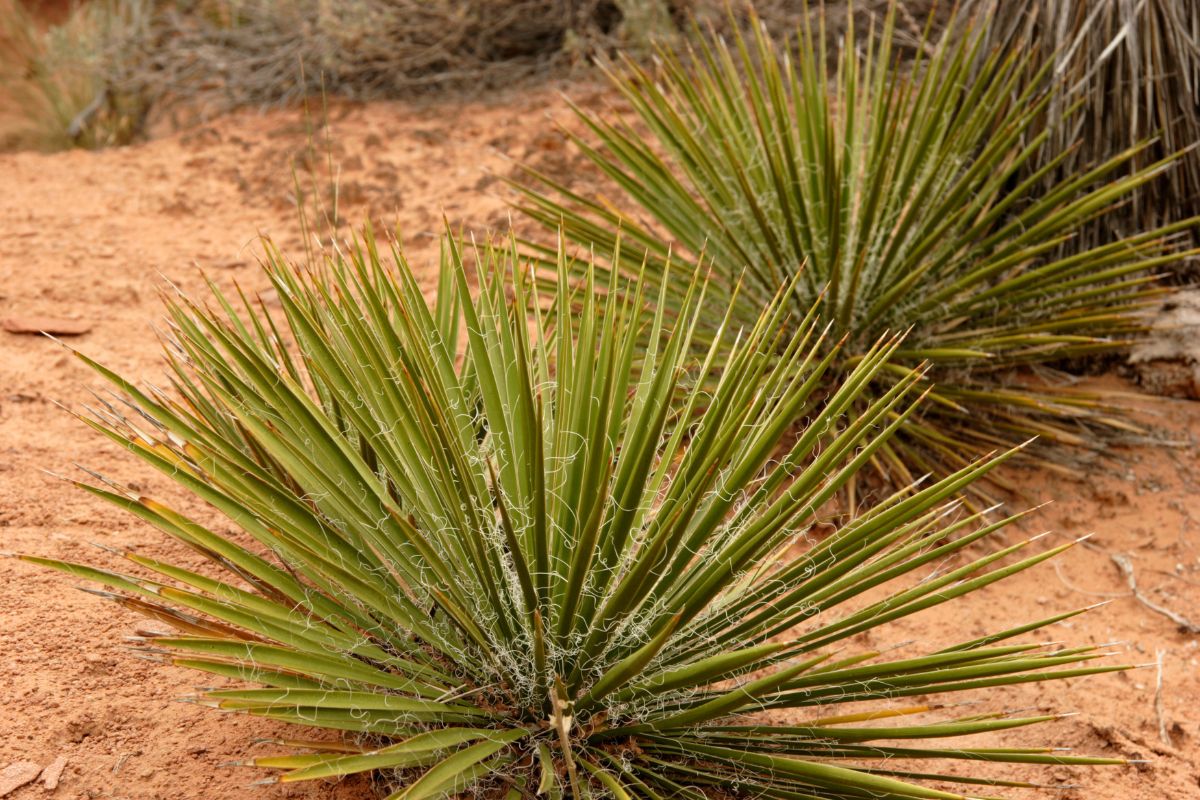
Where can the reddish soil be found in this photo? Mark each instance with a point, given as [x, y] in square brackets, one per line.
[93, 237]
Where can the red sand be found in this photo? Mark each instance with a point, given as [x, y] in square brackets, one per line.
[91, 237]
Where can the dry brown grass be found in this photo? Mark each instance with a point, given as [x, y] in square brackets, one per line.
[100, 67]
[1133, 68]
[64, 76]
[269, 51]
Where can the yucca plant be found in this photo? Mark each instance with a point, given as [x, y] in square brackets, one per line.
[894, 197]
[1133, 70]
[500, 556]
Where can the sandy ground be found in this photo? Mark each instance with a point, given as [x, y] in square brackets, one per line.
[94, 236]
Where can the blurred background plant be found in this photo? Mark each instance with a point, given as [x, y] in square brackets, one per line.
[73, 83]
[261, 52]
[201, 57]
[1132, 68]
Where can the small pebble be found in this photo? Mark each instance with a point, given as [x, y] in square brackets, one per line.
[53, 773]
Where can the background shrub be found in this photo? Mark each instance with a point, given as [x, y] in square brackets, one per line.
[115, 59]
[895, 197]
[1134, 71]
[72, 83]
[268, 51]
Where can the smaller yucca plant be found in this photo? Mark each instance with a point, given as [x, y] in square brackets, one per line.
[502, 558]
[893, 195]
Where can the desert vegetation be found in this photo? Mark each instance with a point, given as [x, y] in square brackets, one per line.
[70, 80]
[92, 79]
[650, 495]
[899, 199]
[519, 570]
[1125, 76]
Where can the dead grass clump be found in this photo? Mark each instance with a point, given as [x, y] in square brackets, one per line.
[70, 83]
[258, 52]
[91, 80]
[1133, 70]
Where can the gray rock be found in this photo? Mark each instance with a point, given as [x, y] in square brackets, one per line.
[1167, 362]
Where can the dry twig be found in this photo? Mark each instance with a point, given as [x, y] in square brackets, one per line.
[1126, 567]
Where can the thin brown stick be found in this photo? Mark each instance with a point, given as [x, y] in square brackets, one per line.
[1126, 567]
[562, 721]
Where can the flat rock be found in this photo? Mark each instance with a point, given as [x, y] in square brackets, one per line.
[53, 773]
[16, 775]
[51, 325]
[1167, 361]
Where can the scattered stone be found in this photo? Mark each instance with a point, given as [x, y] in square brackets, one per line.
[16, 775]
[51, 325]
[53, 773]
